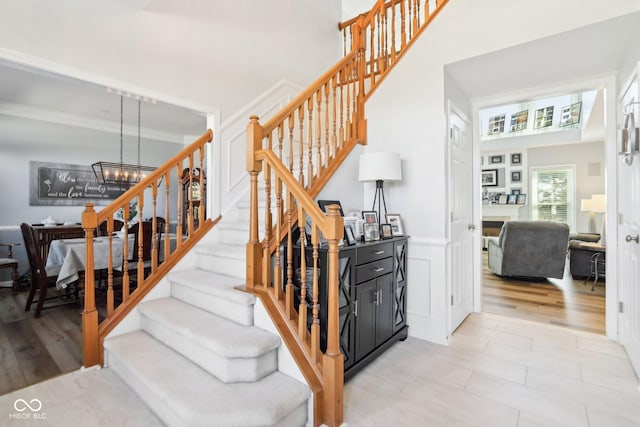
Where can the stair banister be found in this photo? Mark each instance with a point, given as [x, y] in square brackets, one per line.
[144, 276]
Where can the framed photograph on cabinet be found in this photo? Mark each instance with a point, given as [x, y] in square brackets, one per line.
[396, 224]
[370, 217]
[516, 176]
[511, 199]
[385, 231]
[502, 199]
[349, 235]
[521, 199]
[490, 178]
[371, 232]
[570, 114]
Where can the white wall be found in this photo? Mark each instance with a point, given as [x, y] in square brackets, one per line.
[589, 160]
[410, 107]
[216, 53]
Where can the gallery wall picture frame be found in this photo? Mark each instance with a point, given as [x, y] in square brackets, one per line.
[570, 115]
[371, 232]
[370, 217]
[519, 121]
[521, 199]
[386, 231]
[490, 177]
[544, 117]
[516, 158]
[496, 124]
[396, 224]
[511, 199]
[496, 159]
[516, 191]
[516, 176]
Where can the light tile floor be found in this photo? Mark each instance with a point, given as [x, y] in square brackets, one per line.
[498, 371]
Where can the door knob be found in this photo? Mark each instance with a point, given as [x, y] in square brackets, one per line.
[471, 227]
[629, 239]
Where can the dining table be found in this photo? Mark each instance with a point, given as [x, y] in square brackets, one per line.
[67, 257]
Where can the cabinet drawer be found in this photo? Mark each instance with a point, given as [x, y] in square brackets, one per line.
[374, 252]
[374, 269]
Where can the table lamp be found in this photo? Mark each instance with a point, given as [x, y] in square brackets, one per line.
[599, 205]
[585, 206]
[380, 167]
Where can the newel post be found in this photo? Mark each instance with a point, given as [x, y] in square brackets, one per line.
[254, 167]
[91, 341]
[333, 360]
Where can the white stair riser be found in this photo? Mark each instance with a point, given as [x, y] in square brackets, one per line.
[228, 370]
[241, 314]
[232, 236]
[228, 266]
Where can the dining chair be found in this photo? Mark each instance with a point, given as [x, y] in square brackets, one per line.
[12, 263]
[147, 235]
[40, 281]
[102, 228]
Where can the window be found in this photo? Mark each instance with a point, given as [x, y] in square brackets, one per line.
[552, 194]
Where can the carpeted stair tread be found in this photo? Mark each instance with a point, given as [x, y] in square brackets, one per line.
[181, 393]
[213, 284]
[222, 336]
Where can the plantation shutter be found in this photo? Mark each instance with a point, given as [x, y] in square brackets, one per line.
[553, 195]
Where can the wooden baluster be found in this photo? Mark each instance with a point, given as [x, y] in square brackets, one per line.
[385, 39]
[289, 286]
[334, 135]
[291, 128]
[332, 362]
[327, 135]
[411, 27]
[202, 204]
[110, 299]
[266, 242]
[302, 307]
[125, 253]
[310, 142]
[301, 151]
[91, 342]
[417, 15]
[380, 24]
[277, 271]
[315, 325]
[372, 73]
[427, 11]
[319, 131]
[190, 197]
[342, 128]
[167, 241]
[348, 84]
[393, 31]
[344, 41]
[280, 140]
[140, 241]
[254, 166]
[403, 27]
[179, 211]
[154, 227]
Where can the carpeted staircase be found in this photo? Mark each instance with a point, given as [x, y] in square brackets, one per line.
[197, 358]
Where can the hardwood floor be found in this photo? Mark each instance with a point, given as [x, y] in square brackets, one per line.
[565, 302]
[33, 350]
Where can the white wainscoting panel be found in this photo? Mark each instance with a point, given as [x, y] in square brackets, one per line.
[427, 307]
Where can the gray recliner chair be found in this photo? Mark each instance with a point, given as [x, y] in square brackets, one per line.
[532, 249]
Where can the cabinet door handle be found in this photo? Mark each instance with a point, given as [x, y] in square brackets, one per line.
[378, 270]
[377, 252]
[630, 238]
[380, 298]
[355, 311]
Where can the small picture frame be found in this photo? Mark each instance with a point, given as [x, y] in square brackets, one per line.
[370, 217]
[516, 158]
[516, 176]
[521, 199]
[516, 191]
[511, 199]
[371, 232]
[386, 231]
[349, 235]
[519, 121]
[496, 159]
[396, 224]
[544, 117]
[502, 199]
[570, 115]
[490, 178]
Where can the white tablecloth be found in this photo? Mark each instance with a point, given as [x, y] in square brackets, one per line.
[67, 257]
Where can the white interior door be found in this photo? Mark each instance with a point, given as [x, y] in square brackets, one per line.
[628, 245]
[462, 228]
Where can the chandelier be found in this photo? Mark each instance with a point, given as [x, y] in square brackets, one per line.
[122, 173]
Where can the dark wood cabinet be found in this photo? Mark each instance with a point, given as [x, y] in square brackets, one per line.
[372, 297]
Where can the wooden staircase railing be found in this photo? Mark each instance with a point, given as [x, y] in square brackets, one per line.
[122, 288]
[294, 154]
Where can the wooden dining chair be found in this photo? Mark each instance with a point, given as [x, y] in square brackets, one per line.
[102, 228]
[147, 236]
[40, 281]
[12, 263]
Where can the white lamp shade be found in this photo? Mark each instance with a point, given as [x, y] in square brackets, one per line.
[380, 166]
[585, 205]
[599, 203]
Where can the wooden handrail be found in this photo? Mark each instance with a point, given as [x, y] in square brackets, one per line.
[142, 266]
[295, 153]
